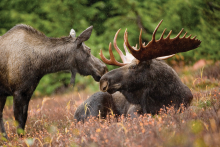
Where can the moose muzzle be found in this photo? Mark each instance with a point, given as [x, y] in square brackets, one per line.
[104, 85]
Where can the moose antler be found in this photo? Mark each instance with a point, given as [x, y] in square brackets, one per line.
[163, 46]
[112, 60]
[125, 59]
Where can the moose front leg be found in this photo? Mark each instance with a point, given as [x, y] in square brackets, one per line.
[25, 112]
[20, 107]
[134, 111]
[2, 104]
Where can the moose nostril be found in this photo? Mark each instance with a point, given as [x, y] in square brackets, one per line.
[104, 86]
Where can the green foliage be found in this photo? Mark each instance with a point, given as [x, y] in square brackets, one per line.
[49, 83]
[9, 101]
[56, 18]
[205, 104]
[196, 126]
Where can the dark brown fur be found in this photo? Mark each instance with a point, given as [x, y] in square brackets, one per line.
[142, 87]
[152, 84]
[102, 103]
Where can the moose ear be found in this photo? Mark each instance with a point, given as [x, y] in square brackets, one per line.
[72, 33]
[85, 35]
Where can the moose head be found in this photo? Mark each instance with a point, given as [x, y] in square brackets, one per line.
[143, 77]
[83, 61]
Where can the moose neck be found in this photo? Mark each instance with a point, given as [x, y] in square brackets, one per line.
[55, 57]
[134, 97]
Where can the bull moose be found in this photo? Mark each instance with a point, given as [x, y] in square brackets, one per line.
[144, 83]
[27, 55]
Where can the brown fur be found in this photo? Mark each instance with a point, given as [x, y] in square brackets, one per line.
[27, 55]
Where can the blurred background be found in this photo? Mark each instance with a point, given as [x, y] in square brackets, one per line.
[55, 18]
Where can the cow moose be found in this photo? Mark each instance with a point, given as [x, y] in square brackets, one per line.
[144, 80]
[27, 55]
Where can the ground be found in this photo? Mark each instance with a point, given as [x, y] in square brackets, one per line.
[50, 121]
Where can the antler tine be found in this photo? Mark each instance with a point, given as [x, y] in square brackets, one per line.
[162, 47]
[184, 35]
[194, 37]
[178, 35]
[168, 36]
[117, 48]
[189, 36]
[132, 50]
[112, 60]
[161, 37]
[140, 40]
[155, 31]
[126, 50]
[165, 57]
[129, 57]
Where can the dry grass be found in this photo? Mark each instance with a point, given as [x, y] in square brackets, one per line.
[50, 123]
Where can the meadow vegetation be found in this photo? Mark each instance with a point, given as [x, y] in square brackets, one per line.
[51, 123]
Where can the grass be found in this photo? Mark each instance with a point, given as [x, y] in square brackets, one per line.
[50, 122]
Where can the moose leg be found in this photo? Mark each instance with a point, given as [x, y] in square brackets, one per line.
[20, 106]
[25, 112]
[2, 104]
[134, 111]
